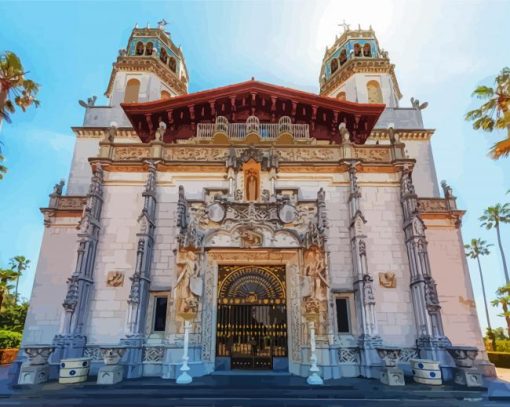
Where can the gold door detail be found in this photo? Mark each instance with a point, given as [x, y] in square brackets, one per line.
[252, 315]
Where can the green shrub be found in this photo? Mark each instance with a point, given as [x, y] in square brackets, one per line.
[500, 359]
[9, 339]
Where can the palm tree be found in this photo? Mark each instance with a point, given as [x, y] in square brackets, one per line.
[6, 275]
[492, 217]
[19, 264]
[14, 88]
[495, 112]
[474, 250]
[3, 168]
[503, 299]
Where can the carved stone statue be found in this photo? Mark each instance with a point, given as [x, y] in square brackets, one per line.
[265, 195]
[447, 190]
[58, 188]
[387, 280]
[368, 291]
[344, 133]
[186, 286]
[250, 238]
[160, 132]
[315, 271]
[111, 133]
[238, 195]
[252, 185]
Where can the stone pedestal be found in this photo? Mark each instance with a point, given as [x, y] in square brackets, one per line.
[110, 374]
[469, 377]
[465, 373]
[36, 369]
[392, 376]
[33, 374]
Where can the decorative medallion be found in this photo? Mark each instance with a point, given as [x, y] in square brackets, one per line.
[387, 280]
[216, 212]
[287, 213]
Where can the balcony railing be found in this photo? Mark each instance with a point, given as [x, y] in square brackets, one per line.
[239, 131]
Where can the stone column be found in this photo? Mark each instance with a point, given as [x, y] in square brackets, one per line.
[231, 164]
[362, 282]
[427, 310]
[71, 340]
[140, 280]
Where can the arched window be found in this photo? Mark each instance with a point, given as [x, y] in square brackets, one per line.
[343, 56]
[132, 91]
[341, 96]
[357, 50]
[334, 65]
[165, 94]
[374, 92]
[367, 52]
[172, 63]
[149, 48]
[139, 48]
[163, 55]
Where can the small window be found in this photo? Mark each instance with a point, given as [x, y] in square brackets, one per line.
[374, 92]
[357, 50]
[341, 96]
[160, 305]
[343, 57]
[132, 91]
[165, 94]
[149, 48]
[139, 48]
[342, 315]
[334, 65]
[172, 63]
[367, 52]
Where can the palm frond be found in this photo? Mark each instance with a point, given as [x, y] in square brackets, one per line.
[500, 149]
[483, 92]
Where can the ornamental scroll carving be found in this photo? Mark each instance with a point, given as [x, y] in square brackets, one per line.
[373, 154]
[131, 153]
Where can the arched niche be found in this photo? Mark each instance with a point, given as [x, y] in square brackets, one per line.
[374, 92]
[132, 91]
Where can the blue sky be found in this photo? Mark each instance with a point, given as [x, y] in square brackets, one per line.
[441, 49]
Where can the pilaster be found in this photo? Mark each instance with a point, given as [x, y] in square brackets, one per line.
[71, 340]
[140, 280]
[362, 281]
[431, 339]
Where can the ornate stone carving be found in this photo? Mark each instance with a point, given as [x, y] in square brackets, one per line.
[131, 153]
[315, 274]
[348, 355]
[250, 238]
[368, 290]
[115, 279]
[189, 283]
[153, 354]
[312, 306]
[160, 131]
[388, 280]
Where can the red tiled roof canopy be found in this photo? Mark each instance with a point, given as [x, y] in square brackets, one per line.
[266, 101]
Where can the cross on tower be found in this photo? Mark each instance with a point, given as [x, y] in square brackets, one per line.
[344, 25]
[162, 24]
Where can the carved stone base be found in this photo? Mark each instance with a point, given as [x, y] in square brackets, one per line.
[33, 374]
[133, 356]
[110, 374]
[392, 376]
[469, 377]
[68, 346]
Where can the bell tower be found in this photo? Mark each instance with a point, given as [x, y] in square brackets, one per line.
[356, 69]
[151, 67]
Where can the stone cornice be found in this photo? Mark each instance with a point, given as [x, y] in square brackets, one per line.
[99, 132]
[146, 64]
[440, 209]
[403, 134]
[361, 65]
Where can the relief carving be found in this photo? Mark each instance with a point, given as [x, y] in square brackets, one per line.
[115, 279]
[388, 280]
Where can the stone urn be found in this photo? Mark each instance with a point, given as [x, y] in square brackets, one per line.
[112, 354]
[464, 356]
[38, 354]
[389, 354]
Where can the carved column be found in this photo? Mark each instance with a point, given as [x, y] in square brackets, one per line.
[231, 164]
[140, 280]
[427, 310]
[71, 340]
[362, 281]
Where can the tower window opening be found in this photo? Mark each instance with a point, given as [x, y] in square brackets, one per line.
[163, 56]
[343, 56]
[374, 92]
[160, 305]
[172, 63]
[367, 51]
[357, 50]
[334, 65]
[132, 91]
[149, 48]
[165, 94]
[341, 96]
[139, 48]
[342, 315]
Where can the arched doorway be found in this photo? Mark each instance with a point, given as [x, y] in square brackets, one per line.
[251, 329]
